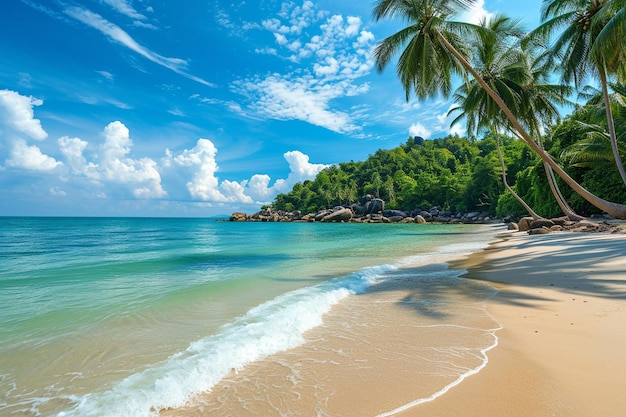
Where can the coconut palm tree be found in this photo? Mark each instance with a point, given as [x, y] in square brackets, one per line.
[582, 22]
[503, 66]
[434, 49]
[541, 98]
[610, 41]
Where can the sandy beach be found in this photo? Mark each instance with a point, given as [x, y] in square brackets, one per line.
[562, 304]
[553, 335]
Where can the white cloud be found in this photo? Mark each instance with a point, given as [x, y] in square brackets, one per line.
[124, 7]
[18, 117]
[200, 163]
[418, 129]
[300, 169]
[73, 149]
[30, 157]
[117, 34]
[476, 12]
[57, 192]
[338, 55]
[111, 165]
[141, 175]
[106, 74]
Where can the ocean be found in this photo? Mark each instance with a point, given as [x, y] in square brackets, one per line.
[176, 316]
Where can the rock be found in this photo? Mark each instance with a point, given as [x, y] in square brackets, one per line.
[375, 205]
[238, 217]
[395, 213]
[320, 215]
[524, 224]
[539, 231]
[420, 219]
[341, 215]
[537, 224]
[395, 219]
[426, 215]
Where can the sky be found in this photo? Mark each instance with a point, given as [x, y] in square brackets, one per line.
[195, 108]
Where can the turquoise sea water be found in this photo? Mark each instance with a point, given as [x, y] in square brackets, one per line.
[127, 316]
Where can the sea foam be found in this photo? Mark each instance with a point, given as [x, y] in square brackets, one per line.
[269, 328]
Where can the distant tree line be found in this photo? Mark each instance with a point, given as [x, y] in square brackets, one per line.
[464, 174]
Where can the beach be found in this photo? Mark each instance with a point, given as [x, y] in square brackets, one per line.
[306, 319]
[561, 303]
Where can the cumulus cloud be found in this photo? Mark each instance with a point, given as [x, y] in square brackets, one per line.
[115, 165]
[300, 169]
[418, 129]
[17, 124]
[108, 167]
[30, 157]
[331, 63]
[17, 115]
[200, 163]
[112, 165]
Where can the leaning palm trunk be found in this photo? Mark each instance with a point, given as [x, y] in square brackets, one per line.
[611, 125]
[558, 196]
[567, 210]
[614, 209]
[530, 211]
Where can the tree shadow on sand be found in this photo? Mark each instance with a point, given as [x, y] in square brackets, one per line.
[581, 265]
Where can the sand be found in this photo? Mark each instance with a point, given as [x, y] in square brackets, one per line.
[562, 349]
[561, 313]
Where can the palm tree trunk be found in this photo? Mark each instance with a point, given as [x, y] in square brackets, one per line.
[614, 209]
[530, 211]
[567, 210]
[554, 187]
[611, 124]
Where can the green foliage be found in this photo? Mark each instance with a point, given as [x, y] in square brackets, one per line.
[453, 173]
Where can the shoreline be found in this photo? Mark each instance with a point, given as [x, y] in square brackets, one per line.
[560, 351]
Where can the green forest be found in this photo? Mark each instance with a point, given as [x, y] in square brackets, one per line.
[520, 155]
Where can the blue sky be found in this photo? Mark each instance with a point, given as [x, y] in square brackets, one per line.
[195, 107]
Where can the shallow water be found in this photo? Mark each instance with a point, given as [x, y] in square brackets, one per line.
[130, 316]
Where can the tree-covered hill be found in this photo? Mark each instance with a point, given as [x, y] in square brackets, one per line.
[461, 175]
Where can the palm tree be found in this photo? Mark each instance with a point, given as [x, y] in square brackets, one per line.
[610, 41]
[541, 98]
[435, 50]
[583, 21]
[503, 67]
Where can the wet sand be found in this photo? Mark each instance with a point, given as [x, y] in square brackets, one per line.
[558, 324]
[561, 352]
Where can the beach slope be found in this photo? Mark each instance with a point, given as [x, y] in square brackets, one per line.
[561, 352]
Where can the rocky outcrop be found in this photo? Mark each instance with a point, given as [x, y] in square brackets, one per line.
[373, 211]
[238, 217]
[338, 215]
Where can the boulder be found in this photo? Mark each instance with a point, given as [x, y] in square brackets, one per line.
[394, 213]
[426, 215]
[524, 224]
[238, 217]
[536, 224]
[375, 205]
[342, 215]
[539, 231]
[420, 219]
